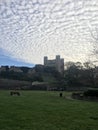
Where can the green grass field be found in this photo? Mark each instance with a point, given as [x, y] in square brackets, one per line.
[42, 110]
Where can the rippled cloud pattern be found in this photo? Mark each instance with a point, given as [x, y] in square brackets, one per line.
[32, 29]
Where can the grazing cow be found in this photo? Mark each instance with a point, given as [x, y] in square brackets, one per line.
[61, 94]
[14, 93]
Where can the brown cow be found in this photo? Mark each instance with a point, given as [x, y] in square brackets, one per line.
[14, 93]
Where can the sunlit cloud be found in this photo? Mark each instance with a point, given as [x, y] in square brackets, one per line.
[32, 29]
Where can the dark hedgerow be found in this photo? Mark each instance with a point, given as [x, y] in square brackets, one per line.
[91, 92]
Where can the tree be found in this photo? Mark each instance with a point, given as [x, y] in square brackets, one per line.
[90, 72]
[94, 36]
[73, 73]
[25, 69]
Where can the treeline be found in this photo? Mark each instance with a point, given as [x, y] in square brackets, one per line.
[30, 74]
[75, 75]
[24, 76]
[78, 74]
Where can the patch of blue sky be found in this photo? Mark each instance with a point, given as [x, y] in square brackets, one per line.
[8, 60]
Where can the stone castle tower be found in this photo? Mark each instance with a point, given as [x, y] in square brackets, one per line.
[58, 63]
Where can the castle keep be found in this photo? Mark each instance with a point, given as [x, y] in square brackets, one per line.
[58, 63]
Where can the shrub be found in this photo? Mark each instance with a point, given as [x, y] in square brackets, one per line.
[91, 92]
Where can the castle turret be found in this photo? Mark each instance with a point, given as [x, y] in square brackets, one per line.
[58, 57]
[45, 60]
[58, 63]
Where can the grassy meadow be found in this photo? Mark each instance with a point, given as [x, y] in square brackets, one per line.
[43, 110]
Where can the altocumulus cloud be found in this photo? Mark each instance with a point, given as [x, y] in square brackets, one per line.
[31, 29]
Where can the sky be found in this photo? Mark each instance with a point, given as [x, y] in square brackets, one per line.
[32, 29]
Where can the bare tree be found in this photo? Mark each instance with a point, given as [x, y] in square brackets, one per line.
[90, 72]
[94, 36]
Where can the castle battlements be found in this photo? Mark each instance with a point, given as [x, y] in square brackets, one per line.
[58, 63]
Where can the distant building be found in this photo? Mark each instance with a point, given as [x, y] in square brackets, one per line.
[31, 71]
[15, 69]
[3, 68]
[58, 63]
